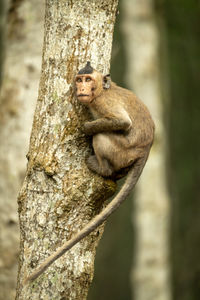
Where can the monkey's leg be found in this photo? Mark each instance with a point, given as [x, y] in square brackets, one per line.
[104, 168]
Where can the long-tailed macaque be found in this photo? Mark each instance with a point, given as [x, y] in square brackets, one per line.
[123, 133]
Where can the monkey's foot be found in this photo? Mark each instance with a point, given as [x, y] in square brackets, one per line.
[105, 170]
[121, 173]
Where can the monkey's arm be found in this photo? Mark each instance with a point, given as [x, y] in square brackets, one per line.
[106, 125]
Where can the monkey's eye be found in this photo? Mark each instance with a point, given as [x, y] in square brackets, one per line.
[88, 79]
[79, 80]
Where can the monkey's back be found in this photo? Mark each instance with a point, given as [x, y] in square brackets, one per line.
[141, 132]
[122, 148]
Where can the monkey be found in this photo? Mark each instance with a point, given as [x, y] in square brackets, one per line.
[122, 131]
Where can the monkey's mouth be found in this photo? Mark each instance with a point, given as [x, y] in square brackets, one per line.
[83, 95]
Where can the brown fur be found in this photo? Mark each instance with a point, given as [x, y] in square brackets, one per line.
[123, 132]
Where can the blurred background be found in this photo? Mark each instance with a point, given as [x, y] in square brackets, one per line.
[151, 246]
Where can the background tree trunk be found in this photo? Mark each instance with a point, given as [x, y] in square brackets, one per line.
[2, 35]
[23, 20]
[114, 254]
[59, 194]
[150, 273]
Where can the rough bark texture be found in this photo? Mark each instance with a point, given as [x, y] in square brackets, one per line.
[150, 275]
[59, 194]
[24, 24]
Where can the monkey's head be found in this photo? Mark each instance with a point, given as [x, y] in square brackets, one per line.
[90, 84]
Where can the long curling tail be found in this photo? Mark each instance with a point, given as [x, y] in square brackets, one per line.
[131, 180]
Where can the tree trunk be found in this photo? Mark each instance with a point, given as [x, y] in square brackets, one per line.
[2, 35]
[23, 20]
[59, 194]
[150, 274]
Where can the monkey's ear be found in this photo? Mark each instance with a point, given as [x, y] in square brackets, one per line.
[106, 81]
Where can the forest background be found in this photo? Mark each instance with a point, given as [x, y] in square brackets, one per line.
[123, 270]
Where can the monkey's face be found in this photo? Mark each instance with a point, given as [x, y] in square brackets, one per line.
[88, 87]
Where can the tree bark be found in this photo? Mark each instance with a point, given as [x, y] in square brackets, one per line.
[150, 271]
[59, 194]
[23, 22]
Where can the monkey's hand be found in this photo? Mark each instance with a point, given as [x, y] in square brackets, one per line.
[88, 128]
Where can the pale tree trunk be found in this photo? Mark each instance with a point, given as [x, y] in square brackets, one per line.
[150, 273]
[2, 35]
[24, 26]
[59, 194]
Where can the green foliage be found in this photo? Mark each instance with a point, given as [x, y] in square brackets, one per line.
[183, 31]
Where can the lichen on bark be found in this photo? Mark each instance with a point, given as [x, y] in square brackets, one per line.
[59, 194]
